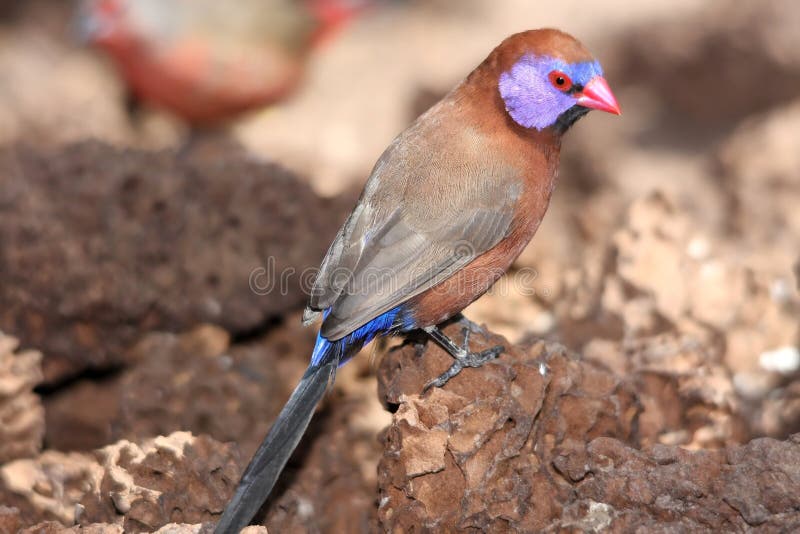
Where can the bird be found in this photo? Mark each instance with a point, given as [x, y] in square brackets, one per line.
[207, 61]
[447, 208]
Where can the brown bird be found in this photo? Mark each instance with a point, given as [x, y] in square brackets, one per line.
[448, 207]
[207, 61]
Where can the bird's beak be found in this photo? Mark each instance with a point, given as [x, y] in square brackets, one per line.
[597, 95]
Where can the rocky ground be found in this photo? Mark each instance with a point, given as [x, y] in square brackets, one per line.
[651, 330]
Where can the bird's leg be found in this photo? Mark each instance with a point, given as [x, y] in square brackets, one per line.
[462, 355]
[461, 319]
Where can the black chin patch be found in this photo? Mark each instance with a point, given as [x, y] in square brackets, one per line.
[568, 118]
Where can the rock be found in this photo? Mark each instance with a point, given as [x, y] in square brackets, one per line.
[194, 381]
[102, 245]
[759, 162]
[668, 488]
[53, 527]
[177, 478]
[127, 486]
[85, 415]
[743, 47]
[9, 520]
[50, 486]
[496, 438]
[197, 381]
[507, 448]
[21, 412]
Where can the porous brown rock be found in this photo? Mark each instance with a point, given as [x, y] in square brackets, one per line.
[9, 520]
[53, 527]
[177, 478]
[101, 245]
[667, 488]
[21, 411]
[133, 487]
[198, 382]
[542, 440]
[726, 44]
[492, 449]
[195, 381]
[49, 486]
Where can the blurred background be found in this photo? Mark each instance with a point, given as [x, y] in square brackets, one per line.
[135, 214]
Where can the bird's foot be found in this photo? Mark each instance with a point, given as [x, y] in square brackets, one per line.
[463, 358]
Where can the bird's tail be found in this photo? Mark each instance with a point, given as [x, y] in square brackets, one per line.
[268, 462]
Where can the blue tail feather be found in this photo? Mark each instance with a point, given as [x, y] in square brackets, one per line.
[344, 348]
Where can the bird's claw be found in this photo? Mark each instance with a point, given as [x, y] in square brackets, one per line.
[468, 359]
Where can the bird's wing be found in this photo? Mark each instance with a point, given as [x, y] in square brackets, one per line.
[421, 219]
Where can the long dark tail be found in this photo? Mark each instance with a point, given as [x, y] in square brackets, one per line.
[271, 457]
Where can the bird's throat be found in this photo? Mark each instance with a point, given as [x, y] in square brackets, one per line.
[569, 117]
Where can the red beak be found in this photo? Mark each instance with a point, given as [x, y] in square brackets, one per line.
[597, 95]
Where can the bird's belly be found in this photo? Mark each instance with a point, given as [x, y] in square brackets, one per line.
[200, 87]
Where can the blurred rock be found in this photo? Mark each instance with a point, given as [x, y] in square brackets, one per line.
[695, 313]
[759, 162]
[649, 253]
[196, 381]
[52, 527]
[748, 52]
[101, 245]
[83, 416]
[41, 45]
[21, 411]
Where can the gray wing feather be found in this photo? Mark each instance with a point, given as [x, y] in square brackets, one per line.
[419, 263]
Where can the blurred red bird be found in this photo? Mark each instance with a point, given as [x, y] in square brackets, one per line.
[207, 61]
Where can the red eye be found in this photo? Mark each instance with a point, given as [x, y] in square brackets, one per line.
[560, 80]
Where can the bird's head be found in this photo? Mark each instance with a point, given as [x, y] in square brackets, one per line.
[547, 79]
